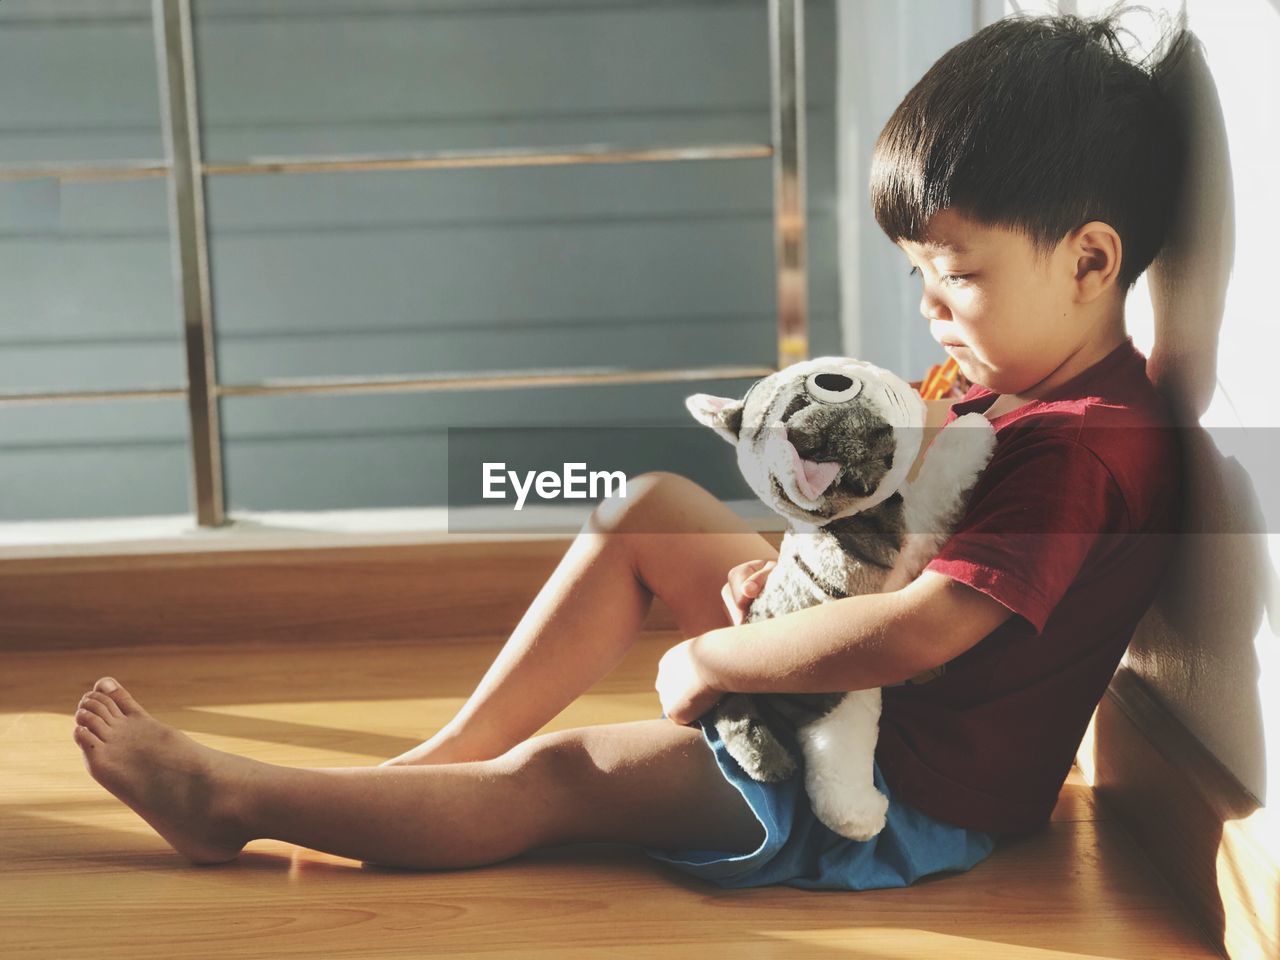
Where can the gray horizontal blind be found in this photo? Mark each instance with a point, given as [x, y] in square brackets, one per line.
[629, 265]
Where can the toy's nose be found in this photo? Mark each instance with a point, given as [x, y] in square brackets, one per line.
[798, 441]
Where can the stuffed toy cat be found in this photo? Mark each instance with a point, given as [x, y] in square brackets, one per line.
[828, 444]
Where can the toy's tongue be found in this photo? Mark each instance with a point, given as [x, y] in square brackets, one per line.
[812, 477]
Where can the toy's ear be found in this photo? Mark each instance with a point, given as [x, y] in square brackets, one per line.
[721, 414]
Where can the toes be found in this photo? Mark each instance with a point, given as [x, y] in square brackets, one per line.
[84, 737]
[94, 705]
[123, 698]
[95, 696]
[95, 723]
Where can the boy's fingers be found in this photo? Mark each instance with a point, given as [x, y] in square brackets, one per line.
[755, 582]
[738, 575]
[744, 584]
[761, 574]
[731, 605]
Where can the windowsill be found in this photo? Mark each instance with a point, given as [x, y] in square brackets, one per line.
[283, 530]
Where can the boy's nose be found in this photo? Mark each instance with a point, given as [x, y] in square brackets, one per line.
[931, 308]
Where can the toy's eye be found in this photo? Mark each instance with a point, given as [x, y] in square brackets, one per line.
[832, 387]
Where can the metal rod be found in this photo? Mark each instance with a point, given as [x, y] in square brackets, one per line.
[438, 160]
[786, 63]
[17, 398]
[515, 157]
[496, 380]
[119, 170]
[500, 380]
[172, 19]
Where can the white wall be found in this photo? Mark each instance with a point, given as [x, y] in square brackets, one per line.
[1208, 646]
[1206, 317]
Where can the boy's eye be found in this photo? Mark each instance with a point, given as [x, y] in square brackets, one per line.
[946, 279]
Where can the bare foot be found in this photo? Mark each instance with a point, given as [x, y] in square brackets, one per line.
[183, 789]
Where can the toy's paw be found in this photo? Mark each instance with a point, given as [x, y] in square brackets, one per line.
[769, 765]
[966, 444]
[973, 421]
[757, 751]
[978, 430]
[857, 821]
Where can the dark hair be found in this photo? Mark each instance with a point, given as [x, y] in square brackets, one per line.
[1039, 124]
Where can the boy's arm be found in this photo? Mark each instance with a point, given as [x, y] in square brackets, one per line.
[854, 643]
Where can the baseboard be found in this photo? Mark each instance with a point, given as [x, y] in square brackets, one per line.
[1201, 829]
[431, 590]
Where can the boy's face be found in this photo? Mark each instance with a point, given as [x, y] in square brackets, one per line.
[1010, 316]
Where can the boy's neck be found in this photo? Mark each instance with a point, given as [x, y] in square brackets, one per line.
[1081, 360]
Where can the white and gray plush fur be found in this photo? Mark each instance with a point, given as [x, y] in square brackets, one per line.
[828, 444]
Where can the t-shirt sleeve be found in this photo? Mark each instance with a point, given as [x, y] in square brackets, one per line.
[1032, 520]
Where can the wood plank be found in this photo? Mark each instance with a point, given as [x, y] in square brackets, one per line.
[80, 874]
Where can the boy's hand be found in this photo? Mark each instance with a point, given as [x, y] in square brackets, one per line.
[681, 686]
[745, 582]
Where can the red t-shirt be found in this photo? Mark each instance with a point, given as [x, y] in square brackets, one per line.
[1069, 527]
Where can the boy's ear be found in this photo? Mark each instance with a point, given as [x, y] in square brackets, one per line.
[721, 414]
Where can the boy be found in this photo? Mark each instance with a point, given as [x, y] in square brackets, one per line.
[1029, 178]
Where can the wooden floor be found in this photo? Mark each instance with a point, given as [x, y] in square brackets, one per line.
[81, 875]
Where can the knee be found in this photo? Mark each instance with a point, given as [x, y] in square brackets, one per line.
[554, 772]
[547, 760]
[650, 498]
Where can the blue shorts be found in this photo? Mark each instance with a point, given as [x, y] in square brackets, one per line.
[799, 850]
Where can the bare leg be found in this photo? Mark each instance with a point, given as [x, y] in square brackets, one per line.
[650, 782]
[670, 538]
